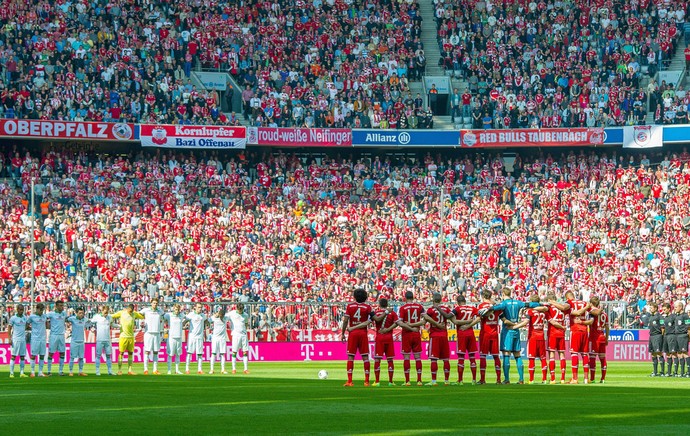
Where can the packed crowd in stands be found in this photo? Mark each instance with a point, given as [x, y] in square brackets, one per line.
[336, 63]
[299, 63]
[246, 227]
[553, 63]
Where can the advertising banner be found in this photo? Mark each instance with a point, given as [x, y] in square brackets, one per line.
[48, 129]
[635, 351]
[296, 137]
[404, 138]
[643, 136]
[184, 136]
[532, 137]
[210, 80]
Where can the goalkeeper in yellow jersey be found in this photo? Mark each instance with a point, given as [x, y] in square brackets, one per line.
[127, 319]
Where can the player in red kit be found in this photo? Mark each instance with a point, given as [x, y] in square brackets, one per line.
[535, 320]
[385, 320]
[556, 333]
[439, 349]
[598, 339]
[488, 337]
[410, 319]
[355, 321]
[466, 317]
[577, 312]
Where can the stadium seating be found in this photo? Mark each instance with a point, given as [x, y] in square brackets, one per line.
[203, 228]
[336, 64]
[560, 64]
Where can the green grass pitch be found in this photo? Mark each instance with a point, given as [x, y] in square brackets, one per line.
[287, 398]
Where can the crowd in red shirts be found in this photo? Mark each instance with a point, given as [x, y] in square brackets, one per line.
[208, 227]
[131, 61]
[549, 63]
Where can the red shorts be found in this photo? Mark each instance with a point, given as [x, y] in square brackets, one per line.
[578, 342]
[467, 343]
[358, 341]
[556, 343]
[597, 345]
[536, 347]
[384, 347]
[439, 347]
[488, 345]
[411, 343]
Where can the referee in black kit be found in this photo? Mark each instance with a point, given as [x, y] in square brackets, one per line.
[669, 350]
[681, 328]
[655, 324]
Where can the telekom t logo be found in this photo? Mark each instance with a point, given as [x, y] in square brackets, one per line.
[307, 350]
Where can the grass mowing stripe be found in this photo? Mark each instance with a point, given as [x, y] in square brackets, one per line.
[287, 398]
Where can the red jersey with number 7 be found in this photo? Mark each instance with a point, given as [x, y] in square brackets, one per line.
[358, 313]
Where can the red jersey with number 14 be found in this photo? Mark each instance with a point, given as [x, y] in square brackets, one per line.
[358, 313]
[410, 313]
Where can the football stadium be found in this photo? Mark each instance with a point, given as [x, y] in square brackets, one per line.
[345, 217]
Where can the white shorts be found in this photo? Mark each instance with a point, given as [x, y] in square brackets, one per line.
[174, 347]
[219, 346]
[152, 342]
[102, 346]
[239, 342]
[57, 343]
[76, 350]
[19, 348]
[38, 347]
[195, 345]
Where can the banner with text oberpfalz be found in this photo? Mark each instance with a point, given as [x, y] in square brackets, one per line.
[186, 136]
[67, 130]
[532, 137]
[643, 136]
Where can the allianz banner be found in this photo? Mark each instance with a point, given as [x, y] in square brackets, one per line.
[405, 138]
[186, 136]
[532, 137]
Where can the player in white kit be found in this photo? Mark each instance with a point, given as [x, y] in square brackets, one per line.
[153, 319]
[175, 321]
[219, 339]
[56, 320]
[240, 324]
[76, 347]
[16, 332]
[195, 338]
[104, 343]
[37, 322]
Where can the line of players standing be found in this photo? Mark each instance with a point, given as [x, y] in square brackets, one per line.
[668, 339]
[546, 323]
[156, 324]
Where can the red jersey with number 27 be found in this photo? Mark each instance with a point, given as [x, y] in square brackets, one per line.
[358, 313]
[465, 313]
